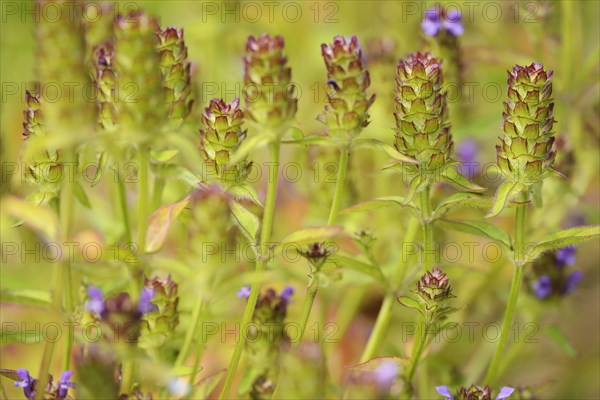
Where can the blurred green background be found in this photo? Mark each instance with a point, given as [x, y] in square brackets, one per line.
[564, 36]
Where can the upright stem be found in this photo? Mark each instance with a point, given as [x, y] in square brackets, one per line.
[142, 198]
[385, 312]
[189, 335]
[62, 285]
[428, 245]
[309, 299]
[492, 373]
[419, 346]
[159, 187]
[339, 186]
[265, 237]
[124, 209]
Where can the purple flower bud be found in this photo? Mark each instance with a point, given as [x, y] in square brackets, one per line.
[444, 391]
[95, 304]
[64, 384]
[385, 374]
[566, 256]
[453, 23]
[572, 281]
[466, 151]
[542, 287]
[244, 292]
[26, 382]
[145, 304]
[286, 294]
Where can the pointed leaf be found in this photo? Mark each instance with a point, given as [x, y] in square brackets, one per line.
[567, 237]
[81, 195]
[163, 155]
[417, 184]
[453, 177]
[100, 167]
[249, 222]
[462, 200]
[244, 192]
[374, 204]
[308, 236]
[248, 145]
[409, 302]
[561, 340]
[345, 260]
[478, 228]
[382, 146]
[40, 219]
[160, 222]
[26, 296]
[312, 139]
[505, 192]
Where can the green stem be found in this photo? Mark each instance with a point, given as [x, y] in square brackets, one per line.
[339, 186]
[419, 346]
[159, 186]
[189, 335]
[124, 209]
[62, 275]
[385, 312]
[127, 371]
[2, 391]
[265, 237]
[515, 287]
[309, 299]
[428, 245]
[142, 198]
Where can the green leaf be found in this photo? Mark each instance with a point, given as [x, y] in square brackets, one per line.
[561, 340]
[453, 177]
[81, 195]
[462, 200]
[382, 146]
[100, 167]
[417, 184]
[244, 192]
[312, 139]
[177, 172]
[204, 388]
[505, 192]
[249, 222]
[26, 296]
[308, 236]
[163, 155]
[373, 364]
[160, 222]
[410, 302]
[478, 228]
[380, 202]
[40, 219]
[248, 145]
[567, 237]
[349, 261]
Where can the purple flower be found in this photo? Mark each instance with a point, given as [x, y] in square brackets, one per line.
[542, 287]
[286, 294]
[244, 292]
[444, 391]
[385, 374]
[145, 304]
[436, 19]
[64, 384]
[566, 256]
[26, 382]
[572, 281]
[95, 304]
[505, 391]
[467, 151]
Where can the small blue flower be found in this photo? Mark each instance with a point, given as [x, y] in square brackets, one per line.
[385, 374]
[566, 256]
[145, 304]
[436, 19]
[64, 384]
[466, 151]
[572, 281]
[444, 391]
[286, 294]
[95, 304]
[244, 292]
[505, 391]
[542, 287]
[26, 382]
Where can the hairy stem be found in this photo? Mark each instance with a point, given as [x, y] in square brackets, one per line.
[339, 186]
[309, 299]
[265, 237]
[492, 373]
[418, 347]
[428, 245]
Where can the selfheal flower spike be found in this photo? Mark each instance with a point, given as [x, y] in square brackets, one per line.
[268, 91]
[542, 287]
[105, 81]
[422, 127]
[160, 313]
[221, 138]
[525, 155]
[346, 113]
[176, 75]
[137, 64]
[145, 304]
[434, 285]
[566, 256]
[475, 393]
